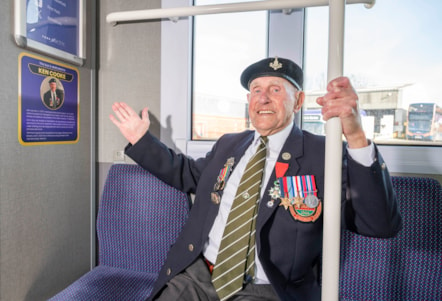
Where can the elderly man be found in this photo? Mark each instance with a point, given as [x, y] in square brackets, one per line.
[53, 98]
[255, 229]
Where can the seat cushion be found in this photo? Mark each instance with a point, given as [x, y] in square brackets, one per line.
[106, 283]
[406, 267]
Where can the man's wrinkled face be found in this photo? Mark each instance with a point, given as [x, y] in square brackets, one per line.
[272, 102]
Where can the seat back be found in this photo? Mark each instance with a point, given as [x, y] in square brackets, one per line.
[139, 218]
[406, 267]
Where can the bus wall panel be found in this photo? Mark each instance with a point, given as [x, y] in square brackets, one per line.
[45, 190]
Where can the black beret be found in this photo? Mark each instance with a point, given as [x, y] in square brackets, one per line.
[276, 66]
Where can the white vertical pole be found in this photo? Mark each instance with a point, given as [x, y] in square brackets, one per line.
[333, 162]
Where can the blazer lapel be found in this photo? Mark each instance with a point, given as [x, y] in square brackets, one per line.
[241, 148]
[232, 150]
[288, 162]
[238, 151]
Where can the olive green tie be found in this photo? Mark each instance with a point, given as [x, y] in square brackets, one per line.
[236, 255]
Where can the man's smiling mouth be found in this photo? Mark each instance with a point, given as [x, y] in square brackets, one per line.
[266, 112]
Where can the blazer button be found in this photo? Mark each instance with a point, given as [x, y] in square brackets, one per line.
[383, 166]
[191, 247]
[168, 272]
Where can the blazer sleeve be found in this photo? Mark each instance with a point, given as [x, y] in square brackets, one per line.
[370, 205]
[177, 170]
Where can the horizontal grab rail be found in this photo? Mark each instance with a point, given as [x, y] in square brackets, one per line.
[175, 13]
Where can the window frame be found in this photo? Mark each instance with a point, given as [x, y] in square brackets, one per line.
[176, 102]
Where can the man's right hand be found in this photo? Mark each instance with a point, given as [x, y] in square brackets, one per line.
[129, 122]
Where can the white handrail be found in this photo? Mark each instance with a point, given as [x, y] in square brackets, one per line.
[175, 13]
[333, 162]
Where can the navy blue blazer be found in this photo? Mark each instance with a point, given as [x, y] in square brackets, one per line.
[289, 250]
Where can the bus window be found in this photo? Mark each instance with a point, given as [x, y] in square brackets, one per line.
[393, 61]
[224, 44]
[312, 121]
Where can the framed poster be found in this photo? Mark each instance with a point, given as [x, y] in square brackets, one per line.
[48, 102]
[53, 27]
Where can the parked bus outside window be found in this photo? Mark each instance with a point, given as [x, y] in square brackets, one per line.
[424, 122]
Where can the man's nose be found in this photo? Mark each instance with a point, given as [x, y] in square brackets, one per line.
[264, 97]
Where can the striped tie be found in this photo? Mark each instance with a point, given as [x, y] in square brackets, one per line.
[236, 256]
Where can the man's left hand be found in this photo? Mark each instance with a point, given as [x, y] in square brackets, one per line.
[341, 101]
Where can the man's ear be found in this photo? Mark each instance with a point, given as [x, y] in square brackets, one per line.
[300, 96]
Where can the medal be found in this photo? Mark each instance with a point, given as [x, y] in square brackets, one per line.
[219, 185]
[280, 169]
[285, 202]
[306, 214]
[307, 207]
[287, 194]
[299, 194]
[298, 201]
[311, 201]
[216, 198]
[275, 191]
[224, 174]
[221, 180]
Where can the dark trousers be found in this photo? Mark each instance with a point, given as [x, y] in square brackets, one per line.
[195, 284]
